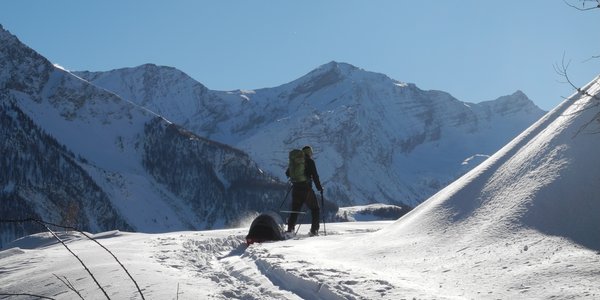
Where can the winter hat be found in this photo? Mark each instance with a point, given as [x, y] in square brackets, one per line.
[307, 150]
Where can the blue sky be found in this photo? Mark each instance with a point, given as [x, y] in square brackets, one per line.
[476, 50]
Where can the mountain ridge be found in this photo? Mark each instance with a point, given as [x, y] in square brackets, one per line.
[348, 115]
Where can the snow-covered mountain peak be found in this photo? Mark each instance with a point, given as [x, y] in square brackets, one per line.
[6, 36]
[336, 75]
[515, 103]
[340, 67]
[354, 118]
[149, 76]
[12, 48]
[21, 68]
[162, 89]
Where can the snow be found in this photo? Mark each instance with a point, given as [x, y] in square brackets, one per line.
[187, 265]
[521, 225]
[105, 130]
[370, 212]
[353, 117]
[218, 265]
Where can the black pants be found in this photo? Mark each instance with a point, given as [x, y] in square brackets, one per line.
[303, 193]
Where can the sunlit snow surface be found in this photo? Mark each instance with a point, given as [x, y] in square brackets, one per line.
[522, 225]
[218, 265]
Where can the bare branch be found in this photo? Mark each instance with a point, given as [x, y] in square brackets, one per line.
[87, 236]
[69, 285]
[75, 255]
[582, 8]
[25, 294]
[593, 57]
[562, 71]
[596, 118]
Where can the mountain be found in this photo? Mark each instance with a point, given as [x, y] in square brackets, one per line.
[546, 180]
[76, 154]
[376, 139]
[521, 225]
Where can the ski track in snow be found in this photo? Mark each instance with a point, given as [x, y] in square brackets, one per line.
[243, 272]
[224, 261]
[218, 265]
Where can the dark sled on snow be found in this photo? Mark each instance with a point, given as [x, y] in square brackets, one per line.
[265, 227]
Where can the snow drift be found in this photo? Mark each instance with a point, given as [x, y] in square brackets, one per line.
[547, 179]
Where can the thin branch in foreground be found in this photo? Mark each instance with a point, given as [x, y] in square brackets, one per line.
[593, 57]
[109, 252]
[596, 118]
[28, 295]
[69, 285]
[75, 255]
[583, 5]
[563, 71]
[88, 237]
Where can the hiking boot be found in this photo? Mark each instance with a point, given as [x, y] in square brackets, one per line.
[313, 233]
[288, 235]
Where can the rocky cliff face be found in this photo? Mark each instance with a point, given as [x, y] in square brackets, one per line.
[76, 154]
[376, 139]
[218, 182]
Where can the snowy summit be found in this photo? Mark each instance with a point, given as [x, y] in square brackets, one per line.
[376, 139]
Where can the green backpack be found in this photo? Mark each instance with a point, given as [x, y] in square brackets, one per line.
[296, 166]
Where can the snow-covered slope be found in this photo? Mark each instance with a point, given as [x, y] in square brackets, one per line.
[522, 225]
[76, 153]
[376, 139]
[371, 212]
[545, 180]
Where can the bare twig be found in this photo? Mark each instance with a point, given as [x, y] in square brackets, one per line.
[562, 71]
[87, 236]
[584, 126]
[75, 255]
[593, 57]
[117, 260]
[69, 285]
[28, 295]
[583, 8]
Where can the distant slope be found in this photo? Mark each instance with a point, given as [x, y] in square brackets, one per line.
[376, 139]
[75, 153]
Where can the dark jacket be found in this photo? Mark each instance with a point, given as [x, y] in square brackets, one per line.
[311, 172]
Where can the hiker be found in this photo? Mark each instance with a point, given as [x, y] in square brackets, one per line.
[302, 192]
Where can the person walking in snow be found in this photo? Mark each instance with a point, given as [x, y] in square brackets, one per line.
[302, 193]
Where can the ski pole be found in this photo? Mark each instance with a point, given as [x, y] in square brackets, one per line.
[284, 198]
[323, 212]
[302, 215]
[300, 221]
